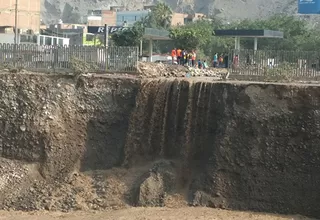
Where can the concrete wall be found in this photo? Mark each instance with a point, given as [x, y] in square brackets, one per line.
[6, 38]
[94, 21]
[178, 19]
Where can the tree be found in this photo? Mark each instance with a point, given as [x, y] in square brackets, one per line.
[292, 28]
[159, 17]
[193, 35]
[129, 37]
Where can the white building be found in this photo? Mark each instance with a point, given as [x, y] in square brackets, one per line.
[37, 39]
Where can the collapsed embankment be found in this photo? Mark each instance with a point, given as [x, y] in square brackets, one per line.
[112, 142]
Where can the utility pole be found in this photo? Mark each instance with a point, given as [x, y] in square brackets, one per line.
[16, 23]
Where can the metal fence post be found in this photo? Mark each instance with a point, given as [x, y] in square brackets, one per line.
[137, 54]
[106, 35]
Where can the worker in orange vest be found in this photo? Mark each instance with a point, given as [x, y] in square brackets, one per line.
[179, 53]
[174, 55]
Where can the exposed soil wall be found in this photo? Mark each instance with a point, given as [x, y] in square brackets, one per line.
[56, 122]
[112, 142]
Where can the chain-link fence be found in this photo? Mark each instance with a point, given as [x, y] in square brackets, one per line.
[35, 57]
[300, 64]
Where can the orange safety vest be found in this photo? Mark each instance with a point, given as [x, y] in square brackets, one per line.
[179, 53]
[173, 53]
[194, 56]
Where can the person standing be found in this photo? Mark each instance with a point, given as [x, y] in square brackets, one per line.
[200, 64]
[226, 61]
[194, 56]
[205, 65]
[190, 54]
[174, 55]
[215, 60]
[220, 60]
[179, 52]
[184, 57]
[236, 61]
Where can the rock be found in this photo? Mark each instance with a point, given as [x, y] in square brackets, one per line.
[201, 198]
[151, 191]
[160, 180]
[23, 128]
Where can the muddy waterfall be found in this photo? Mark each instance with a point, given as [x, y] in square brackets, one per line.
[235, 146]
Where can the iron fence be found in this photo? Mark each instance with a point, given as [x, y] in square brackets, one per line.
[95, 59]
[294, 64]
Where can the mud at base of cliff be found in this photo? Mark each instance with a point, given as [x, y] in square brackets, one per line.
[185, 213]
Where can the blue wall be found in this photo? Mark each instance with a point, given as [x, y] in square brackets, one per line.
[309, 6]
[130, 16]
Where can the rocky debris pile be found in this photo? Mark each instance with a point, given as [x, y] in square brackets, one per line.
[14, 178]
[97, 191]
[153, 70]
[201, 198]
[11, 172]
[219, 73]
[156, 184]
[76, 192]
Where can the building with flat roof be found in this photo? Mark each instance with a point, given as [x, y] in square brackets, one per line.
[74, 32]
[248, 33]
[101, 17]
[34, 39]
[118, 16]
[130, 17]
[28, 14]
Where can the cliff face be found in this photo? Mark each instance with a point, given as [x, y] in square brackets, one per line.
[54, 122]
[105, 142]
[250, 146]
[74, 11]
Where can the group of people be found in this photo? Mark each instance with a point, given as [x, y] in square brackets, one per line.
[184, 57]
[220, 61]
[189, 58]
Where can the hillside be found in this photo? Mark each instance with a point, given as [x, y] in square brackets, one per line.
[76, 10]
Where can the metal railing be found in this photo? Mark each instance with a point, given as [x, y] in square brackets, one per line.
[37, 58]
[294, 64]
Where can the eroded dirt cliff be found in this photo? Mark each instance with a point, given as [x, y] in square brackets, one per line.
[54, 126]
[113, 142]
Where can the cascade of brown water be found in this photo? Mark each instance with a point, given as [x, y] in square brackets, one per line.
[158, 118]
[188, 124]
[170, 121]
[140, 122]
[166, 114]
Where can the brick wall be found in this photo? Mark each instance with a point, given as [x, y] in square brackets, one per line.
[28, 14]
[109, 17]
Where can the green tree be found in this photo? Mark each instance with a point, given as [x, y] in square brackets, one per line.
[129, 37]
[159, 17]
[292, 28]
[192, 36]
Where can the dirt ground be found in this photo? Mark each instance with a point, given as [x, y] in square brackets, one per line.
[188, 213]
